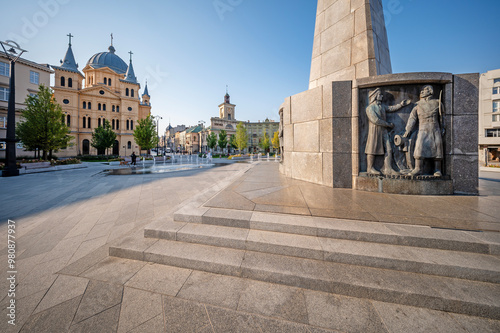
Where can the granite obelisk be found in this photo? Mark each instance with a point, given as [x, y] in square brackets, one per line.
[350, 41]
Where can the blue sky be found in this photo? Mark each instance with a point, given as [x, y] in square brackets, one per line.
[190, 49]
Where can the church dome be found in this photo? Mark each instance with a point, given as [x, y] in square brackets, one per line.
[108, 59]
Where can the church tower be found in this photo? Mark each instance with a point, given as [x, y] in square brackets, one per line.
[226, 109]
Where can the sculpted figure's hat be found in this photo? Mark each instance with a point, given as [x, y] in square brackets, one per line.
[374, 94]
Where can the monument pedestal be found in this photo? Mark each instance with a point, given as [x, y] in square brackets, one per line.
[416, 185]
[326, 129]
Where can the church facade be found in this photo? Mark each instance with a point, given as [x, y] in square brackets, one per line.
[106, 90]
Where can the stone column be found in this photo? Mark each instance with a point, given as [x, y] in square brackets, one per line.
[350, 41]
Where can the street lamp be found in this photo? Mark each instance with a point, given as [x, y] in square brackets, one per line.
[157, 136]
[13, 53]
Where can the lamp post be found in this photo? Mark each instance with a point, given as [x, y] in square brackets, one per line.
[13, 53]
[157, 136]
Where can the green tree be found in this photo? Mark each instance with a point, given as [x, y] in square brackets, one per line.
[222, 142]
[145, 133]
[42, 127]
[103, 138]
[241, 136]
[265, 143]
[276, 140]
[212, 140]
[232, 141]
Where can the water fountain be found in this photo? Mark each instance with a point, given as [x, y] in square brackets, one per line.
[268, 157]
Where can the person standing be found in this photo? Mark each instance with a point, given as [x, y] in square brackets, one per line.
[134, 158]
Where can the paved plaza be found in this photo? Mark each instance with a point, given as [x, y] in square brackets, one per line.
[66, 221]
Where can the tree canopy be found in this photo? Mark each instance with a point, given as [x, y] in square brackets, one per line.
[103, 138]
[145, 133]
[276, 140]
[241, 136]
[222, 142]
[232, 141]
[265, 143]
[44, 124]
[212, 140]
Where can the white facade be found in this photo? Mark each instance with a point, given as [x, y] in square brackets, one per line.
[29, 75]
[489, 117]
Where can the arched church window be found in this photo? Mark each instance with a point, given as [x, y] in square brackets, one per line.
[68, 120]
[104, 107]
[90, 106]
[70, 82]
[126, 92]
[63, 81]
[99, 106]
[84, 105]
[105, 81]
[109, 81]
[132, 93]
[84, 122]
[88, 123]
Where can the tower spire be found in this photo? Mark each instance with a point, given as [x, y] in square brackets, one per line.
[69, 62]
[130, 75]
[111, 39]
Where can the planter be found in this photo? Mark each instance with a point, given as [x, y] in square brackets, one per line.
[37, 165]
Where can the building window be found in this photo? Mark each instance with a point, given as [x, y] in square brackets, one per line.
[496, 90]
[70, 82]
[117, 108]
[4, 69]
[114, 108]
[88, 123]
[496, 80]
[84, 105]
[3, 122]
[99, 107]
[63, 81]
[109, 82]
[496, 105]
[132, 125]
[105, 81]
[117, 124]
[229, 116]
[129, 145]
[495, 117]
[68, 120]
[493, 133]
[128, 125]
[126, 92]
[99, 122]
[4, 94]
[132, 93]
[90, 106]
[34, 77]
[84, 122]
[113, 124]
[104, 107]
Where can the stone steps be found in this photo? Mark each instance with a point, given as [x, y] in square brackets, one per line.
[464, 265]
[438, 293]
[374, 232]
[446, 270]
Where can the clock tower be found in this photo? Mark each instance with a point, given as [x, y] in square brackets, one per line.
[226, 109]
